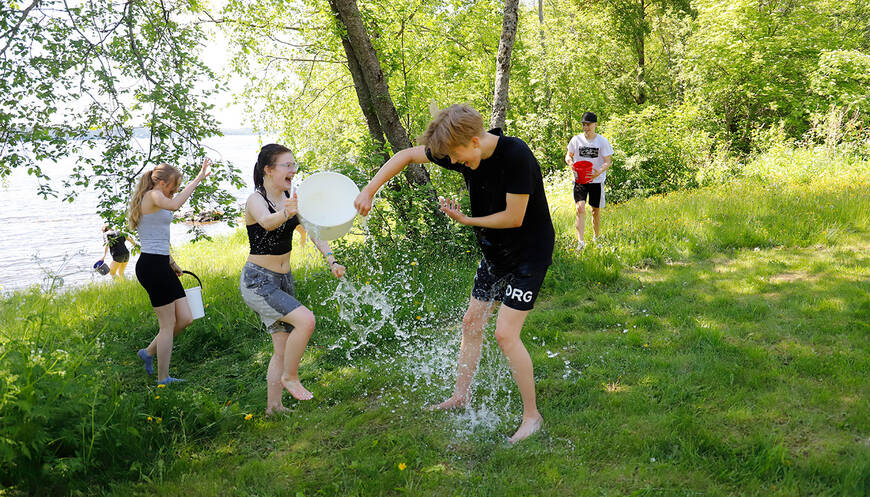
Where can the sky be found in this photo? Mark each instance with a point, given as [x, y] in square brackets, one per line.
[215, 55]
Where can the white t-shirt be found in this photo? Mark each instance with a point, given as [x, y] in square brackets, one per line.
[594, 151]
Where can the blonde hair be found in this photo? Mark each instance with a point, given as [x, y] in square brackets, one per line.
[453, 126]
[163, 172]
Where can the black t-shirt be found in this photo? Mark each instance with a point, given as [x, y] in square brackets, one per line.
[512, 168]
[115, 241]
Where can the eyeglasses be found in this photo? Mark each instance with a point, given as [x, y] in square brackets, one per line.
[292, 165]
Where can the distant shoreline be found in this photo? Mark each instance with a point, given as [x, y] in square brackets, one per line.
[141, 133]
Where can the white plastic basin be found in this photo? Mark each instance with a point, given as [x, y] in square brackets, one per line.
[326, 204]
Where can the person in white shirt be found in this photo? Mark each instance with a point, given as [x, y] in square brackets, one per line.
[589, 155]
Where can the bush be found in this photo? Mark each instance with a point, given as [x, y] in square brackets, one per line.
[656, 150]
[70, 415]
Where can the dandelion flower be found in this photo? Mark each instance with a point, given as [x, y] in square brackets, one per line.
[162, 385]
[419, 317]
[402, 466]
[156, 397]
[150, 419]
[248, 417]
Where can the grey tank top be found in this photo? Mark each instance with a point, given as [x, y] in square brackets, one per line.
[154, 232]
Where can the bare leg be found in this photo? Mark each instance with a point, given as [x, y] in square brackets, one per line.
[580, 220]
[596, 221]
[303, 323]
[122, 266]
[509, 325]
[172, 318]
[274, 388]
[473, 322]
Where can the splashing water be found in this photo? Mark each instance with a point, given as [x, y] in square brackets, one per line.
[426, 346]
[365, 309]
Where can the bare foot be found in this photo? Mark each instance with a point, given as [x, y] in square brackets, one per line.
[451, 403]
[273, 410]
[296, 389]
[527, 428]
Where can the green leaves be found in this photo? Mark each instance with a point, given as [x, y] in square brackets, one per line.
[85, 77]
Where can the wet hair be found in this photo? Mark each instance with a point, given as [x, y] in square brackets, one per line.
[456, 125]
[149, 179]
[266, 158]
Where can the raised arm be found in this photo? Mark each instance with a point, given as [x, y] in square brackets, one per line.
[259, 211]
[173, 204]
[398, 162]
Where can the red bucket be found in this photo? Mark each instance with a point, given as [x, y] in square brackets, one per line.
[582, 171]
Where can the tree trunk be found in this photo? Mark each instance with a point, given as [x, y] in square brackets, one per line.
[543, 37]
[503, 63]
[640, 98]
[362, 48]
[364, 97]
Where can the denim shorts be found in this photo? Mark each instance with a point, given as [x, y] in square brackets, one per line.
[271, 295]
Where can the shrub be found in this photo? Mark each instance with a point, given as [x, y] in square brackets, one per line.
[656, 150]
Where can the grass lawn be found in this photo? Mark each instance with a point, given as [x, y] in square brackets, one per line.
[716, 343]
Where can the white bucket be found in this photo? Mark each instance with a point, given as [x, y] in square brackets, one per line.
[194, 298]
[326, 204]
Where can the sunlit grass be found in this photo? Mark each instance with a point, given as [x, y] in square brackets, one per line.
[716, 344]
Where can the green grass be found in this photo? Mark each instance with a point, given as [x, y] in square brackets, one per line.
[715, 344]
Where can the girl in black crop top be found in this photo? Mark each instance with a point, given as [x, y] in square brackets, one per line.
[279, 241]
[266, 283]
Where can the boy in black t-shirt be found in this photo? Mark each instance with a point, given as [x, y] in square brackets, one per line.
[512, 223]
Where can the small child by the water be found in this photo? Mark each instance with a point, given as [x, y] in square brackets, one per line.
[115, 243]
[511, 219]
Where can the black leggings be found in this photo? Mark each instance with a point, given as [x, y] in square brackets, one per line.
[159, 280]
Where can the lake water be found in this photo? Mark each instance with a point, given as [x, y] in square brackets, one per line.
[38, 237]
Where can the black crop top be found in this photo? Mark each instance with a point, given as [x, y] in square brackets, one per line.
[279, 241]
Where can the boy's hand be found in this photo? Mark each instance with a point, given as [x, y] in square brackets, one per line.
[291, 206]
[363, 202]
[452, 209]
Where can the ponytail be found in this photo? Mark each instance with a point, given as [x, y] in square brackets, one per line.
[163, 172]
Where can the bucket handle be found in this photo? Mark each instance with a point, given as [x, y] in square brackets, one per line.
[195, 276]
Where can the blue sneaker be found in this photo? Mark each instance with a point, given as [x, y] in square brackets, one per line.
[148, 360]
[169, 380]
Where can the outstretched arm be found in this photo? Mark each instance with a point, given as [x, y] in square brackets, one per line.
[323, 246]
[398, 162]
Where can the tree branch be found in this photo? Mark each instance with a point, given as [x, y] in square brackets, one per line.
[14, 31]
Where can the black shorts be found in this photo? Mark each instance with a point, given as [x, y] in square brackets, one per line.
[159, 280]
[593, 191]
[517, 288]
[121, 257]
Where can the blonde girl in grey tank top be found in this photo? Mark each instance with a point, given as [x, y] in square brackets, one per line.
[150, 213]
